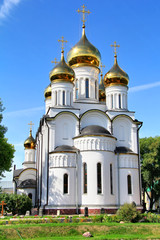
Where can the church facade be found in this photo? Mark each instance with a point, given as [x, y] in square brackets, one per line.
[87, 143]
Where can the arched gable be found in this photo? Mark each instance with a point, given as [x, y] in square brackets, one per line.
[66, 112]
[95, 117]
[28, 173]
[122, 130]
[67, 127]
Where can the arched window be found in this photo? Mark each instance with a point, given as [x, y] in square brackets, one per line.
[30, 195]
[111, 179]
[76, 88]
[99, 180]
[55, 97]
[95, 89]
[87, 87]
[112, 101]
[129, 183]
[84, 178]
[120, 105]
[65, 183]
[63, 97]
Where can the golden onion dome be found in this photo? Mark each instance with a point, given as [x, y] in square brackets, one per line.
[30, 142]
[116, 76]
[102, 95]
[48, 92]
[62, 72]
[84, 53]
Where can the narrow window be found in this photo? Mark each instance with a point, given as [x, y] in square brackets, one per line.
[87, 88]
[30, 195]
[63, 97]
[95, 89]
[119, 100]
[112, 101]
[76, 88]
[85, 178]
[65, 186]
[129, 184]
[111, 179]
[55, 97]
[70, 98]
[99, 184]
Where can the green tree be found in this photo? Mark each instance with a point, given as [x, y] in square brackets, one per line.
[16, 203]
[6, 149]
[150, 167]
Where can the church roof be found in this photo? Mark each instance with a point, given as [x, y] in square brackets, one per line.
[123, 150]
[84, 53]
[28, 183]
[17, 172]
[65, 148]
[94, 129]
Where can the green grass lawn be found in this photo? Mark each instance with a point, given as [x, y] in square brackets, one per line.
[75, 230]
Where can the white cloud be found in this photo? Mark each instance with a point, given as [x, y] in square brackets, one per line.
[144, 87]
[6, 7]
[23, 112]
[20, 144]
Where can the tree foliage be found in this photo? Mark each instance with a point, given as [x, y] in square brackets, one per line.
[150, 167]
[6, 149]
[16, 203]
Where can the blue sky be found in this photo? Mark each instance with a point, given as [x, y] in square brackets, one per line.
[29, 30]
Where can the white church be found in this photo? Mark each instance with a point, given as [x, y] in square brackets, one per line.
[86, 150]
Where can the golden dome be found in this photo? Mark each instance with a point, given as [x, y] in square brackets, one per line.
[48, 92]
[116, 76]
[84, 53]
[102, 95]
[30, 142]
[62, 72]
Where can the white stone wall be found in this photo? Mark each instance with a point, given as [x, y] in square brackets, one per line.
[57, 94]
[29, 155]
[126, 133]
[128, 165]
[95, 143]
[116, 97]
[60, 164]
[66, 128]
[92, 198]
[44, 163]
[48, 104]
[90, 73]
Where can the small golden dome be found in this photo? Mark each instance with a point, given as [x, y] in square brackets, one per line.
[102, 95]
[84, 53]
[30, 142]
[48, 92]
[62, 72]
[116, 76]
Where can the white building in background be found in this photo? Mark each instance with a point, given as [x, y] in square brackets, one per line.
[87, 147]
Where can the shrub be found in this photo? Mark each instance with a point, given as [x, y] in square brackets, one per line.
[151, 217]
[111, 218]
[128, 213]
[17, 204]
[98, 218]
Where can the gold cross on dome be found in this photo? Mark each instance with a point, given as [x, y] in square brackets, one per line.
[102, 66]
[115, 48]
[62, 41]
[83, 12]
[31, 124]
[55, 61]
